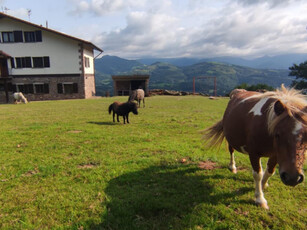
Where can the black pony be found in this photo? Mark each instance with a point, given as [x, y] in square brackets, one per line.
[123, 109]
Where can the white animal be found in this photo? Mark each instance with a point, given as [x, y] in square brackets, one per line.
[19, 97]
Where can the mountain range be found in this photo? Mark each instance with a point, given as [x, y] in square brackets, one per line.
[266, 62]
[178, 73]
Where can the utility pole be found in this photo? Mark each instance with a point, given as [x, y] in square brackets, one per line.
[205, 77]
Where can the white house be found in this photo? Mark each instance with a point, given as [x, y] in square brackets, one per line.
[43, 63]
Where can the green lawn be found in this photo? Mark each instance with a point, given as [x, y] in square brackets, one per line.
[66, 165]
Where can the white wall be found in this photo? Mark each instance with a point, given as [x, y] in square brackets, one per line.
[89, 54]
[63, 52]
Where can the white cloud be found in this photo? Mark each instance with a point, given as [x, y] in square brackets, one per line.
[104, 7]
[19, 13]
[144, 34]
[175, 28]
[234, 29]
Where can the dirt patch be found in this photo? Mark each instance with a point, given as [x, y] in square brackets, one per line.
[74, 131]
[208, 165]
[87, 166]
[31, 172]
[241, 212]
[242, 168]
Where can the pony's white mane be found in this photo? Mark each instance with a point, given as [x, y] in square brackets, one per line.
[293, 101]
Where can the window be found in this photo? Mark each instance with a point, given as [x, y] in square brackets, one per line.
[86, 62]
[41, 62]
[38, 62]
[29, 36]
[20, 88]
[18, 36]
[24, 88]
[40, 88]
[67, 88]
[33, 36]
[7, 36]
[23, 62]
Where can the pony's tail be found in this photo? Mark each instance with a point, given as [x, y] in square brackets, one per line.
[110, 108]
[214, 135]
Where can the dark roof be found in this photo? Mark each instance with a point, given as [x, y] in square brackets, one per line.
[2, 54]
[131, 77]
[2, 15]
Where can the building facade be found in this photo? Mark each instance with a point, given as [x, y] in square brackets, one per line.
[44, 64]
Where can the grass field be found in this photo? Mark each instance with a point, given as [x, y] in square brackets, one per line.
[65, 165]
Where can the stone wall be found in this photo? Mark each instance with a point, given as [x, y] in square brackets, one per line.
[89, 85]
[53, 82]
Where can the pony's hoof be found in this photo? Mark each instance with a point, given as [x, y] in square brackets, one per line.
[232, 169]
[266, 185]
[264, 206]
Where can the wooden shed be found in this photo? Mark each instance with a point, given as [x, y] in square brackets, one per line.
[124, 84]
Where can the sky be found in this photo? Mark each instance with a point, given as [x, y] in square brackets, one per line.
[135, 29]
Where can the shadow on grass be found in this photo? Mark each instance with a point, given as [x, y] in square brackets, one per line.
[102, 122]
[160, 197]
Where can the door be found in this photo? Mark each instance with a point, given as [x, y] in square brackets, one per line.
[3, 68]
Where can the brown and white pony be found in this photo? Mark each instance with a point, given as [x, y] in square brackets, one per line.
[123, 109]
[137, 95]
[271, 124]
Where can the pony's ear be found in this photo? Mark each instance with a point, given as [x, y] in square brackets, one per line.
[279, 108]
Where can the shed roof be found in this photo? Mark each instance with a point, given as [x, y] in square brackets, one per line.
[130, 77]
[2, 15]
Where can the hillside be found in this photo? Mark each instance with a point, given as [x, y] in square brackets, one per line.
[114, 65]
[265, 62]
[168, 76]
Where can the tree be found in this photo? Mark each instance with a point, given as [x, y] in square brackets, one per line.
[255, 87]
[300, 72]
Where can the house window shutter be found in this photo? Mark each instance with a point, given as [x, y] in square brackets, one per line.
[11, 87]
[46, 88]
[18, 36]
[46, 62]
[38, 35]
[14, 88]
[28, 62]
[75, 87]
[60, 88]
[31, 88]
[26, 89]
[12, 63]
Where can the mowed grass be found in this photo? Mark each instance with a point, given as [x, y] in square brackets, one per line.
[66, 165]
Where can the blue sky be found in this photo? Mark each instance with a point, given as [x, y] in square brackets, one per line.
[175, 28]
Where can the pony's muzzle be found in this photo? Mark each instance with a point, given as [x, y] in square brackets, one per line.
[292, 180]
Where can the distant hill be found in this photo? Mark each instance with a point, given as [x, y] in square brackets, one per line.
[114, 65]
[169, 76]
[266, 62]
